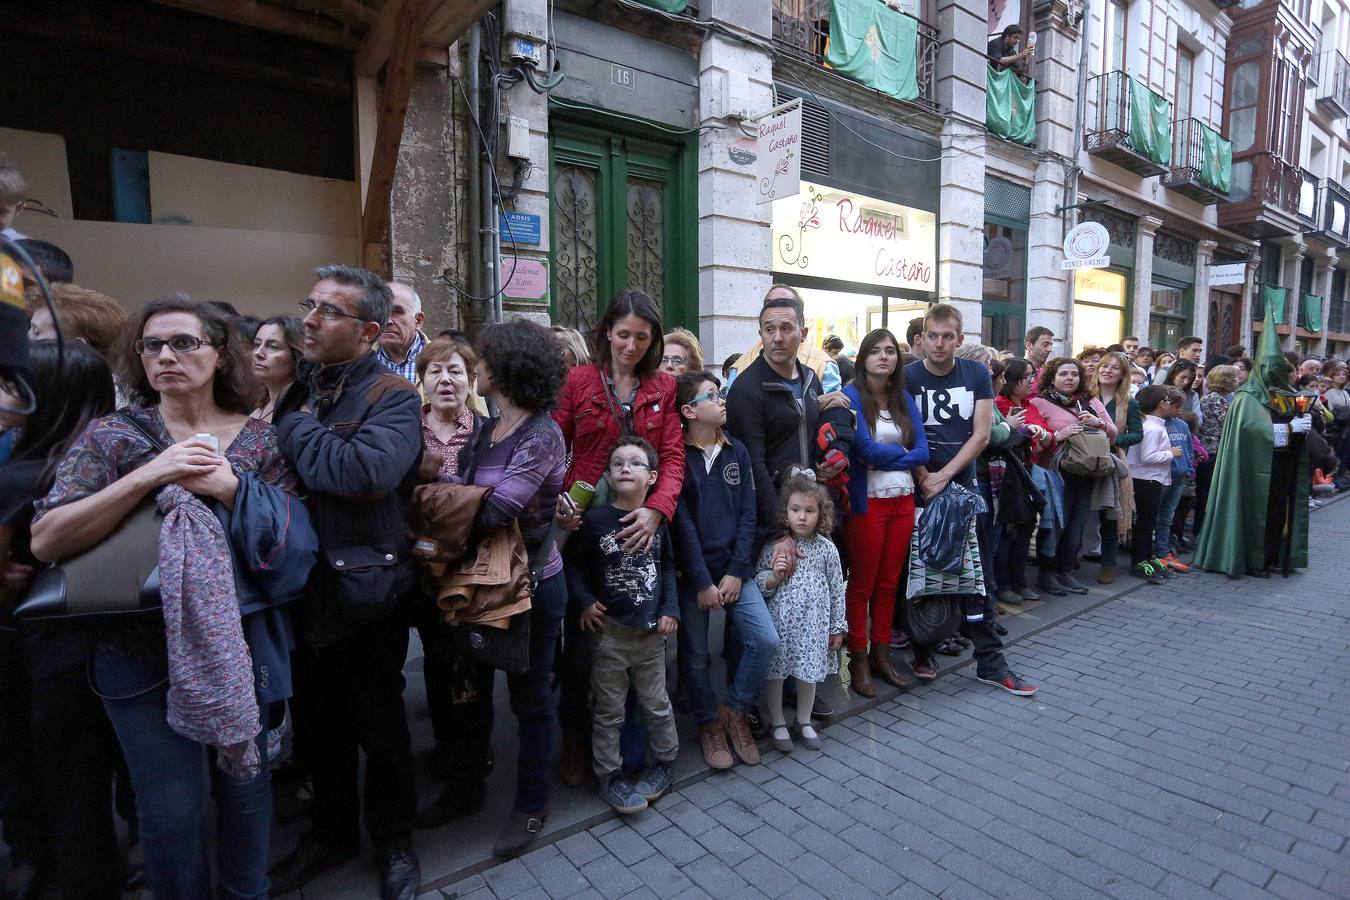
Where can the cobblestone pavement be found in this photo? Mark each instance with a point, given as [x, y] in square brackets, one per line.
[1190, 740]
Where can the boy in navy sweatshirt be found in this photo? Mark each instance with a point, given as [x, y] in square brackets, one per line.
[715, 527]
[629, 601]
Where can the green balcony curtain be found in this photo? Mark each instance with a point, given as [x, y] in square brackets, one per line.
[670, 6]
[1272, 298]
[874, 44]
[1312, 312]
[1216, 170]
[1010, 106]
[1150, 123]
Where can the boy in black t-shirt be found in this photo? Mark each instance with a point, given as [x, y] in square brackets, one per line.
[955, 399]
[629, 601]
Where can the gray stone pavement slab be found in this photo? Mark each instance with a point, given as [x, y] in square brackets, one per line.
[1190, 741]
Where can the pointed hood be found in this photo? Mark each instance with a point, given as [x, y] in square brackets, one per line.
[1272, 371]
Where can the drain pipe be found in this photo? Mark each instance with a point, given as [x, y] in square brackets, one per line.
[1072, 175]
[475, 218]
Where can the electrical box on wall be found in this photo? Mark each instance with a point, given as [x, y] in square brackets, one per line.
[518, 137]
[524, 33]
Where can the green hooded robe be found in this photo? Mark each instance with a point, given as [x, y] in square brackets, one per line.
[1233, 537]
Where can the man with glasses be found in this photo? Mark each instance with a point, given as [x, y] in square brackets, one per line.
[352, 430]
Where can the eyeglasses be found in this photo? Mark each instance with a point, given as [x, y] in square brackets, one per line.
[179, 343]
[619, 465]
[326, 310]
[707, 395]
[674, 361]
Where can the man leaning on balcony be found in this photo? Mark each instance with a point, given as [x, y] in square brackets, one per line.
[1003, 52]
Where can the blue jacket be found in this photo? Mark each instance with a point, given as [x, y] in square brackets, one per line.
[715, 524]
[274, 548]
[865, 452]
[357, 457]
[1179, 433]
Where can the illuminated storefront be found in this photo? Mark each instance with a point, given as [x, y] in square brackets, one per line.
[1098, 307]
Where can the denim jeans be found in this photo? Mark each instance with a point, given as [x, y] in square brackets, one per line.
[758, 643]
[1077, 499]
[1167, 508]
[169, 776]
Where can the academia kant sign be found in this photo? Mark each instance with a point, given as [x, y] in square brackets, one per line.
[828, 233]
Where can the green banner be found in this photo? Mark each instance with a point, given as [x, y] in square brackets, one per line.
[1312, 312]
[874, 44]
[1216, 169]
[1273, 299]
[1010, 106]
[1150, 123]
[670, 6]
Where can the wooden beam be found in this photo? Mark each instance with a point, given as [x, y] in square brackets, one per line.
[353, 13]
[257, 14]
[393, 108]
[450, 19]
[376, 46]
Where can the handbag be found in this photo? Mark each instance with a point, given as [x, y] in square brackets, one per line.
[1087, 454]
[117, 576]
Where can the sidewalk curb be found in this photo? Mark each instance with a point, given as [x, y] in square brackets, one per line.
[885, 695]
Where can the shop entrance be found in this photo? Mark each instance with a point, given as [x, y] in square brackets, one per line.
[851, 313]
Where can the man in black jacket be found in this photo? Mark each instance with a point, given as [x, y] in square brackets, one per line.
[777, 409]
[352, 430]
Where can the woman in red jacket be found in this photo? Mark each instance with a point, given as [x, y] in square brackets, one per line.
[621, 392]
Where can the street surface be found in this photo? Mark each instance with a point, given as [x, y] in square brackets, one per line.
[1189, 741]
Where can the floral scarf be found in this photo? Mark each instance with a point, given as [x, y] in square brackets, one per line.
[211, 694]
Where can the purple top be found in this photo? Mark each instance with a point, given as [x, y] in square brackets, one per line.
[526, 475]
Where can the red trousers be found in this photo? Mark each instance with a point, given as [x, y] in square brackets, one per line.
[878, 545]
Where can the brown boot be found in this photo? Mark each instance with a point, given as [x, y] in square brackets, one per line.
[1107, 575]
[573, 764]
[737, 728]
[882, 667]
[860, 675]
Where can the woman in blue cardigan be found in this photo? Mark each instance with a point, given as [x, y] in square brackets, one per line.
[888, 443]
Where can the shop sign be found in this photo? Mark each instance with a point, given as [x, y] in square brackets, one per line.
[778, 146]
[828, 233]
[526, 279]
[521, 227]
[1228, 273]
[1085, 247]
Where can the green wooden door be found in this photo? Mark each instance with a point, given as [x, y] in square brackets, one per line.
[622, 216]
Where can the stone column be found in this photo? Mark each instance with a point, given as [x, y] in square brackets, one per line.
[1204, 254]
[1250, 300]
[1143, 275]
[735, 256]
[1325, 265]
[1048, 286]
[960, 75]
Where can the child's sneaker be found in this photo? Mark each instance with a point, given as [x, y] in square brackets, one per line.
[1176, 565]
[655, 781]
[618, 793]
[1012, 683]
[1162, 568]
[1148, 571]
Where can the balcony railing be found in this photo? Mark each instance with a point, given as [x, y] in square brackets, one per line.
[1333, 88]
[1338, 316]
[1333, 211]
[1137, 140]
[1202, 162]
[801, 29]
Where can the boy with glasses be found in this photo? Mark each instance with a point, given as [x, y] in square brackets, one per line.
[628, 601]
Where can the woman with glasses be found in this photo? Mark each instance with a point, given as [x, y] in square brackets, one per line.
[622, 391]
[682, 354]
[197, 678]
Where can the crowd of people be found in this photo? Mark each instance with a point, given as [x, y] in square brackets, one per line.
[536, 501]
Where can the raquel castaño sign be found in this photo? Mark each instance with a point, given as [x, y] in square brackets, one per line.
[829, 233]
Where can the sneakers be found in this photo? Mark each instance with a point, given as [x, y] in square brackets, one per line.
[712, 737]
[1012, 683]
[1028, 594]
[1071, 584]
[1009, 597]
[618, 793]
[1176, 565]
[1148, 571]
[924, 671]
[655, 781]
[737, 729]
[1162, 568]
